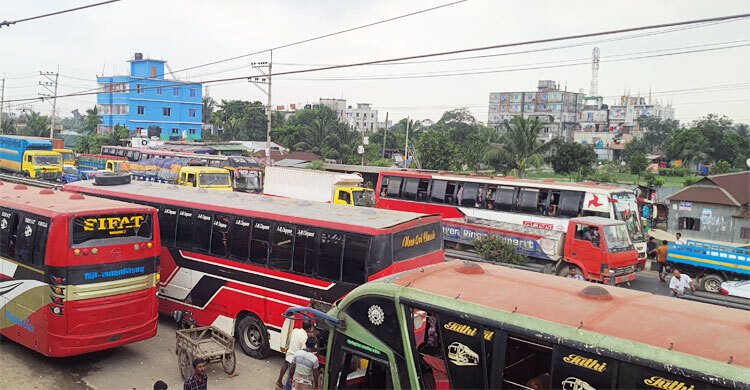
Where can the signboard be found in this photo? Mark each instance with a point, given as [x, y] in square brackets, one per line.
[686, 206]
[466, 234]
[574, 369]
[417, 241]
[110, 226]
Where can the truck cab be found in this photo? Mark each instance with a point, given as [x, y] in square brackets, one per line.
[68, 156]
[205, 177]
[601, 249]
[117, 166]
[354, 196]
[42, 164]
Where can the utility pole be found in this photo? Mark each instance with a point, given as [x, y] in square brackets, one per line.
[257, 81]
[51, 86]
[385, 133]
[406, 147]
[2, 100]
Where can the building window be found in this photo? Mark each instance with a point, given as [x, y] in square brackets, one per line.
[139, 88]
[176, 91]
[193, 92]
[141, 110]
[175, 130]
[744, 232]
[166, 111]
[159, 90]
[192, 131]
[192, 112]
[687, 223]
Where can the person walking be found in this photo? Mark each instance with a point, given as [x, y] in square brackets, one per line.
[651, 246]
[305, 368]
[199, 380]
[296, 344]
[679, 282]
[573, 273]
[661, 259]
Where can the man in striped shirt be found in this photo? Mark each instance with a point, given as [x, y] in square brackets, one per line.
[305, 367]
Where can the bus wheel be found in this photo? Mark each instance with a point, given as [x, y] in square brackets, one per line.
[711, 283]
[253, 337]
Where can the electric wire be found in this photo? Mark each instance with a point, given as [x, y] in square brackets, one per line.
[12, 22]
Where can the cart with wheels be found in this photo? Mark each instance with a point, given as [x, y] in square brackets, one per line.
[208, 343]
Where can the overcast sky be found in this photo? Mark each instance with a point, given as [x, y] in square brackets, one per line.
[185, 33]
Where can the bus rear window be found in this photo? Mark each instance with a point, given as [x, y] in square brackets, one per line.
[111, 229]
[417, 241]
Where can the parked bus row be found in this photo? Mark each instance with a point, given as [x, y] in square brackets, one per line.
[418, 331]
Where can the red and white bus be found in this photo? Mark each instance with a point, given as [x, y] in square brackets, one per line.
[77, 274]
[546, 204]
[238, 261]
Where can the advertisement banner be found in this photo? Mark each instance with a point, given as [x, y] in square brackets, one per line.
[466, 234]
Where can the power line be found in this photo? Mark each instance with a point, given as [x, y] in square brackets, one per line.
[428, 55]
[12, 22]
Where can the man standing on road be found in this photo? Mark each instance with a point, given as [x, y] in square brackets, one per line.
[679, 282]
[678, 239]
[573, 273]
[199, 380]
[296, 344]
[661, 259]
[651, 246]
[305, 367]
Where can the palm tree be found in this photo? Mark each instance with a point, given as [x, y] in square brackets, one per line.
[209, 105]
[344, 140]
[520, 145]
[316, 136]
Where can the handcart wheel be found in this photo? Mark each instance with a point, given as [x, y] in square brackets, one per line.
[186, 364]
[229, 363]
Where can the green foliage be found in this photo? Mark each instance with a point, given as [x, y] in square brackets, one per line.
[241, 120]
[381, 163]
[721, 167]
[653, 180]
[209, 106]
[689, 145]
[656, 132]
[318, 165]
[498, 250]
[92, 143]
[676, 172]
[37, 125]
[632, 148]
[319, 131]
[571, 157]
[520, 147]
[7, 124]
[436, 150]
[690, 181]
[91, 121]
[637, 163]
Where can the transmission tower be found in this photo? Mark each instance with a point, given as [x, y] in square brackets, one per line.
[594, 89]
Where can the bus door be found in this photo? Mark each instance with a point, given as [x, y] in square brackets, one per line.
[585, 248]
[359, 366]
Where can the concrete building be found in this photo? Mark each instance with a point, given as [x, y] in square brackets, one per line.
[150, 105]
[716, 208]
[559, 110]
[337, 105]
[363, 118]
[624, 114]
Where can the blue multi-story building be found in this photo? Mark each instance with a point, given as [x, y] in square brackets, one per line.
[150, 105]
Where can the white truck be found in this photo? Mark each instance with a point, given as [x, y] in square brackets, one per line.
[317, 186]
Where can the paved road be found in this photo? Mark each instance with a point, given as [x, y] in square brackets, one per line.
[135, 366]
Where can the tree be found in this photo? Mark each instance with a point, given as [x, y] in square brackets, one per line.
[656, 131]
[435, 150]
[499, 250]
[721, 167]
[209, 105]
[689, 145]
[91, 121]
[251, 121]
[37, 125]
[732, 147]
[571, 157]
[637, 163]
[633, 148]
[520, 144]
[7, 124]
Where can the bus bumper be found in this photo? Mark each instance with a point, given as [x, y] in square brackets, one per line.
[61, 346]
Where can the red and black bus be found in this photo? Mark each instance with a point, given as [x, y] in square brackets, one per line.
[77, 274]
[238, 261]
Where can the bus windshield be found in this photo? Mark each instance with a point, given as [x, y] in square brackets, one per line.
[47, 160]
[214, 179]
[111, 229]
[68, 156]
[616, 237]
[626, 209]
[70, 170]
[364, 198]
[248, 180]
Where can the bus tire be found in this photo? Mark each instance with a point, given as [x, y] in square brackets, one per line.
[112, 179]
[711, 283]
[252, 335]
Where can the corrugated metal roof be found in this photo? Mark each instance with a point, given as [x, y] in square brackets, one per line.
[228, 147]
[732, 189]
[705, 194]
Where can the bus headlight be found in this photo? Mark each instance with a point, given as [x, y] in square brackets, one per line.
[77, 252]
[150, 245]
[94, 251]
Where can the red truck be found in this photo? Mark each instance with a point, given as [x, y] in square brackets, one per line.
[599, 248]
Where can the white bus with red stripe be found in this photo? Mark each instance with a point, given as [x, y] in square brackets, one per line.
[546, 204]
[238, 261]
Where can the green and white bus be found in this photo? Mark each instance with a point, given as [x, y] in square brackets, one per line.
[464, 325]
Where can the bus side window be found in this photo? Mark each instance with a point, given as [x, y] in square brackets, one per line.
[306, 251]
[410, 189]
[527, 363]
[505, 198]
[283, 242]
[259, 242]
[450, 192]
[167, 225]
[423, 189]
[355, 259]
[469, 194]
[8, 222]
[570, 203]
[40, 243]
[26, 232]
[185, 229]
[528, 200]
[438, 194]
[329, 256]
[202, 231]
[394, 187]
[219, 235]
[240, 238]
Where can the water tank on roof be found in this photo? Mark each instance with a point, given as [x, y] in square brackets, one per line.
[138, 56]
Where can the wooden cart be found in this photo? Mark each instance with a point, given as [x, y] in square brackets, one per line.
[208, 343]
